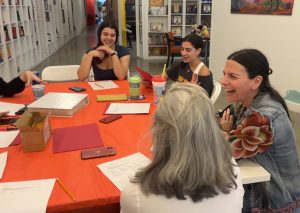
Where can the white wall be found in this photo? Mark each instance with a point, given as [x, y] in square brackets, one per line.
[277, 36]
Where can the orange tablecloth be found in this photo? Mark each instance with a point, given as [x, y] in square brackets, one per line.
[93, 191]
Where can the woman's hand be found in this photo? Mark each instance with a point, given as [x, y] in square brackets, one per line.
[97, 53]
[28, 77]
[226, 121]
[106, 49]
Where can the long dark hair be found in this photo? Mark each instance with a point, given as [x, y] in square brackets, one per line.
[109, 24]
[257, 64]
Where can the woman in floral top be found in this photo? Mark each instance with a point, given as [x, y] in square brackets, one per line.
[262, 132]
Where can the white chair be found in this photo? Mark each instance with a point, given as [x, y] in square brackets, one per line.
[60, 73]
[293, 106]
[292, 100]
[216, 91]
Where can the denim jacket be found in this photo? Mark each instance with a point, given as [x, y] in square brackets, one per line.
[282, 192]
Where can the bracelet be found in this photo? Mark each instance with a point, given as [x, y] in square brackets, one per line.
[114, 53]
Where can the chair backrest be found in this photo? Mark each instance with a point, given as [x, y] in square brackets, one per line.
[170, 39]
[60, 73]
[216, 91]
[292, 100]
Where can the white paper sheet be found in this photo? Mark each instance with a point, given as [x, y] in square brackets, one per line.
[3, 159]
[102, 85]
[12, 108]
[7, 137]
[121, 170]
[128, 108]
[25, 196]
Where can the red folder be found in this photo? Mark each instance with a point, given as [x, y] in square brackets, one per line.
[76, 138]
[145, 75]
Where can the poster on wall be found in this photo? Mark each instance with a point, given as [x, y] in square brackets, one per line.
[265, 7]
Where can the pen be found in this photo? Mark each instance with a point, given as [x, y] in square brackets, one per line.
[98, 85]
[69, 193]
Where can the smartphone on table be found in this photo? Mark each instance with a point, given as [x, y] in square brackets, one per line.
[77, 89]
[110, 118]
[97, 152]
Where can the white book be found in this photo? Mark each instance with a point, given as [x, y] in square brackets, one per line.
[59, 104]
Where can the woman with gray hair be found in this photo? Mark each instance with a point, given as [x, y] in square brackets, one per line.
[192, 168]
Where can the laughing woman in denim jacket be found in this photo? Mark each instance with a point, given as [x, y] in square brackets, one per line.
[262, 132]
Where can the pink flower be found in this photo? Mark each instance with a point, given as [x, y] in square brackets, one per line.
[252, 136]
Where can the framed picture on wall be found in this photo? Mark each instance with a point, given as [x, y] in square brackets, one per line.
[279, 7]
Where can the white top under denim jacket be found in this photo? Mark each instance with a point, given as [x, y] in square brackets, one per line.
[280, 159]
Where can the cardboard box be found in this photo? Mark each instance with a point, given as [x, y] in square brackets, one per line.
[35, 131]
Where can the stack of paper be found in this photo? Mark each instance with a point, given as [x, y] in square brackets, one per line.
[7, 137]
[12, 108]
[102, 85]
[25, 196]
[59, 104]
[3, 159]
[128, 108]
[121, 170]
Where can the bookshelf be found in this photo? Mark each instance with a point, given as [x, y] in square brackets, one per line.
[157, 17]
[32, 30]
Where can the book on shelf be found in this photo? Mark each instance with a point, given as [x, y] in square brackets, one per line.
[191, 9]
[157, 51]
[175, 19]
[46, 4]
[190, 20]
[8, 52]
[176, 8]
[47, 15]
[28, 11]
[206, 8]
[21, 31]
[156, 3]
[14, 32]
[18, 15]
[1, 55]
[157, 39]
[156, 26]
[63, 16]
[205, 20]
[59, 104]
[157, 11]
[177, 31]
[7, 38]
[1, 2]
